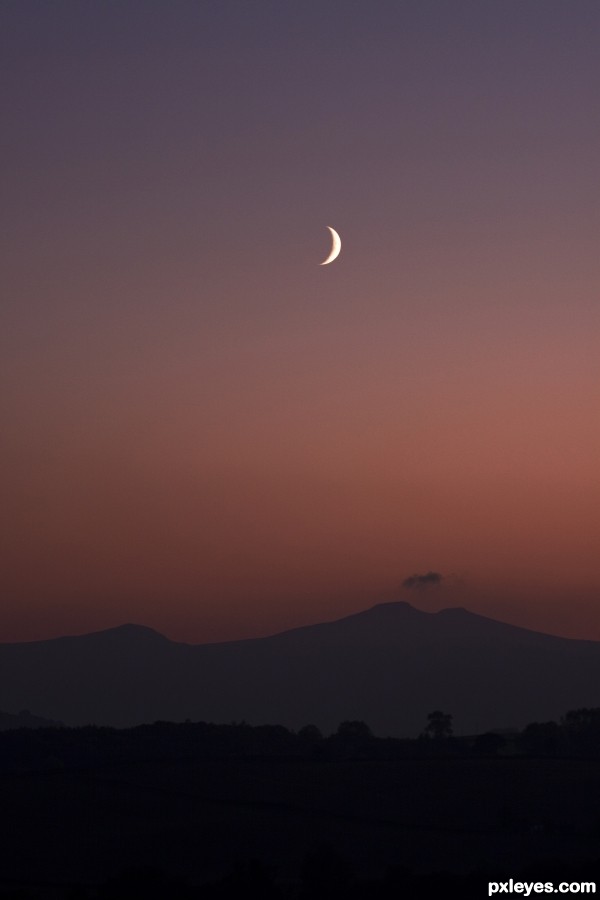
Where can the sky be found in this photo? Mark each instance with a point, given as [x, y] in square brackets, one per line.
[205, 431]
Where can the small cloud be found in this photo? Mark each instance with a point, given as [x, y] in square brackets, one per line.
[422, 581]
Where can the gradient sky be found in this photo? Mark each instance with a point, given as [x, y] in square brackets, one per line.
[205, 431]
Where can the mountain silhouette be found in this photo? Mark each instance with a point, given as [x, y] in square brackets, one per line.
[389, 666]
[24, 719]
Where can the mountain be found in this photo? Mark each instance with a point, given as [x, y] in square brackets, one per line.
[24, 719]
[389, 666]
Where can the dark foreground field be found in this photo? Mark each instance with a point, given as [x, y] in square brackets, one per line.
[294, 826]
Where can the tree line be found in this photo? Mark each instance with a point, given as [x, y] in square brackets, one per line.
[24, 749]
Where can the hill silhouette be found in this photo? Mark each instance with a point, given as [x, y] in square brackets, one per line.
[24, 719]
[389, 666]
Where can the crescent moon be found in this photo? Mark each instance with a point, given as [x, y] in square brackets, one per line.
[336, 246]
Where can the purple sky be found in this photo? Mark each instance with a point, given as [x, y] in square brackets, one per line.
[205, 431]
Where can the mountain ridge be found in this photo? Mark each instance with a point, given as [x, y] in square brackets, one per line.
[138, 629]
[388, 665]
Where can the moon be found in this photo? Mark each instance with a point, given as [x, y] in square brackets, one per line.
[336, 246]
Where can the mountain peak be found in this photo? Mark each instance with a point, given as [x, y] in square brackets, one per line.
[458, 611]
[389, 609]
[127, 632]
[393, 604]
[132, 628]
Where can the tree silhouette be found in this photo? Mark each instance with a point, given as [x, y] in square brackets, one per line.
[310, 734]
[354, 729]
[541, 739]
[582, 728]
[439, 725]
